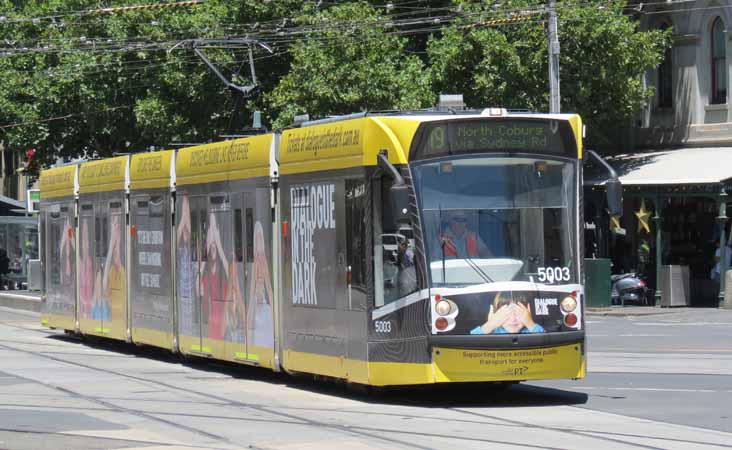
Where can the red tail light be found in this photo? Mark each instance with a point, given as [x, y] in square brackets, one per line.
[441, 323]
[570, 320]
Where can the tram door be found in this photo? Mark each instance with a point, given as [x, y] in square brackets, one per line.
[218, 253]
[114, 281]
[86, 260]
[239, 306]
[197, 322]
[100, 307]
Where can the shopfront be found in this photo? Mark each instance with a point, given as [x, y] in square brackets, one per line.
[674, 217]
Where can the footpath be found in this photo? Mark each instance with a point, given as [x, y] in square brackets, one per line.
[25, 300]
[31, 301]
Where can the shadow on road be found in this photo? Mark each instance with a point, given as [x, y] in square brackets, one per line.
[429, 396]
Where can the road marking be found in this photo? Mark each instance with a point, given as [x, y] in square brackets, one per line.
[707, 391]
[676, 324]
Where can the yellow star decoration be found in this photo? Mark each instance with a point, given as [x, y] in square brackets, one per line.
[614, 222]
[643, 215]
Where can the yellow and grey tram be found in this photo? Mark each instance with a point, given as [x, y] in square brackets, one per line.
[382, 249]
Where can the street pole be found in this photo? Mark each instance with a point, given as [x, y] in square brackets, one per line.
[554, 96]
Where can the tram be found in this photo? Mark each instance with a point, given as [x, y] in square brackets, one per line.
[381, 249]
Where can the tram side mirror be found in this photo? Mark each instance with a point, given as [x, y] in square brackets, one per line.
[399, 203]
[395, 213]
[614, 192]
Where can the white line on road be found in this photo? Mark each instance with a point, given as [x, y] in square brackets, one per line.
[676, 324]
[710, 391]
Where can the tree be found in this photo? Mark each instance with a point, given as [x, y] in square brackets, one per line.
[348, 62]
[603, 59]
[76, 83]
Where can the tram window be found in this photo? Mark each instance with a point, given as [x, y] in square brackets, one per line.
[250, 235]
[238, 246]
[356, 230]
[194, 236]
[142, 204]
[105, 236]
[97, 237]
[156, 206]
[203, 235]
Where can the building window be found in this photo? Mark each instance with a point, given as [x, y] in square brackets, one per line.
[665, 78]
[719, 63]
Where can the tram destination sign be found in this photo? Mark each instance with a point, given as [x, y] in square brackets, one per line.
[544, 136]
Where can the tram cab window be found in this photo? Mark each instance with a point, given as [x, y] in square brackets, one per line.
[399, 274]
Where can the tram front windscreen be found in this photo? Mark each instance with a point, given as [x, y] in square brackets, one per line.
[501, 230]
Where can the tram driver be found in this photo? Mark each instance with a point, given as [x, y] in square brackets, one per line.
[458, 240]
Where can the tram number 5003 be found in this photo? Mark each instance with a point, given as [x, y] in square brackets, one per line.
[553, 274]
[382, 326]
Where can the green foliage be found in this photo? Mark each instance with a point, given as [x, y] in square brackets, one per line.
[98, 84]
[603, 58]
[355, 64]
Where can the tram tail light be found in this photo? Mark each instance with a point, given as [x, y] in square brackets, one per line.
[570, 320]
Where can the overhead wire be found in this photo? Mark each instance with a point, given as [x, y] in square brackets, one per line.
[314, 33]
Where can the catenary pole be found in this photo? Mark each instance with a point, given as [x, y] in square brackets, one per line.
[554, 97]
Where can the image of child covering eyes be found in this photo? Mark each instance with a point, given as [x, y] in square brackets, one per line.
[509, 315]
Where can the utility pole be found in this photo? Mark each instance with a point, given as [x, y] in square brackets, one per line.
[554, 97]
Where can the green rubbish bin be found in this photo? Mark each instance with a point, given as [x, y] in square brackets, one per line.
[597, 282]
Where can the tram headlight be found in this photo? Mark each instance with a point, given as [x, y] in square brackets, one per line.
[443, 307]
[569, 304]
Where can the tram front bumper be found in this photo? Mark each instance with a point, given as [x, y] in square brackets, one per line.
[471, 365]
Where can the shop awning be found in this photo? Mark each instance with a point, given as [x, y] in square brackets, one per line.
[684, 166]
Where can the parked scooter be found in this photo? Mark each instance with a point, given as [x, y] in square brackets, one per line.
[628, 287]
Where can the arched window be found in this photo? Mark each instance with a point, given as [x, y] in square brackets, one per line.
[719, 63]
[665, 78]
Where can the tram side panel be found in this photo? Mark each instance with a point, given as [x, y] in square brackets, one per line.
[151, 290]
[398, 345]
[59, 246]
[250, 321]
[102, 264]
[205, 252]
[322, 332]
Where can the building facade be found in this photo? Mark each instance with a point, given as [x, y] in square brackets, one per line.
[676, 162]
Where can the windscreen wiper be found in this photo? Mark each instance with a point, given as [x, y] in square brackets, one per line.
[477, 269]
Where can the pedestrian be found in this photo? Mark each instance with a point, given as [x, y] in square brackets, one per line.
[4, 268]
[717, 269]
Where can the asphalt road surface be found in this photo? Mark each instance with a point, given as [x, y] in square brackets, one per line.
[658, 381]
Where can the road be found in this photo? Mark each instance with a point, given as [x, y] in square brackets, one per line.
[660, 381]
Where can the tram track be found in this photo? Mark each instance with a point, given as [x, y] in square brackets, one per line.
[353, 431]
[109, 405]
[110, 439]
[306, 419]
[594, 434]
